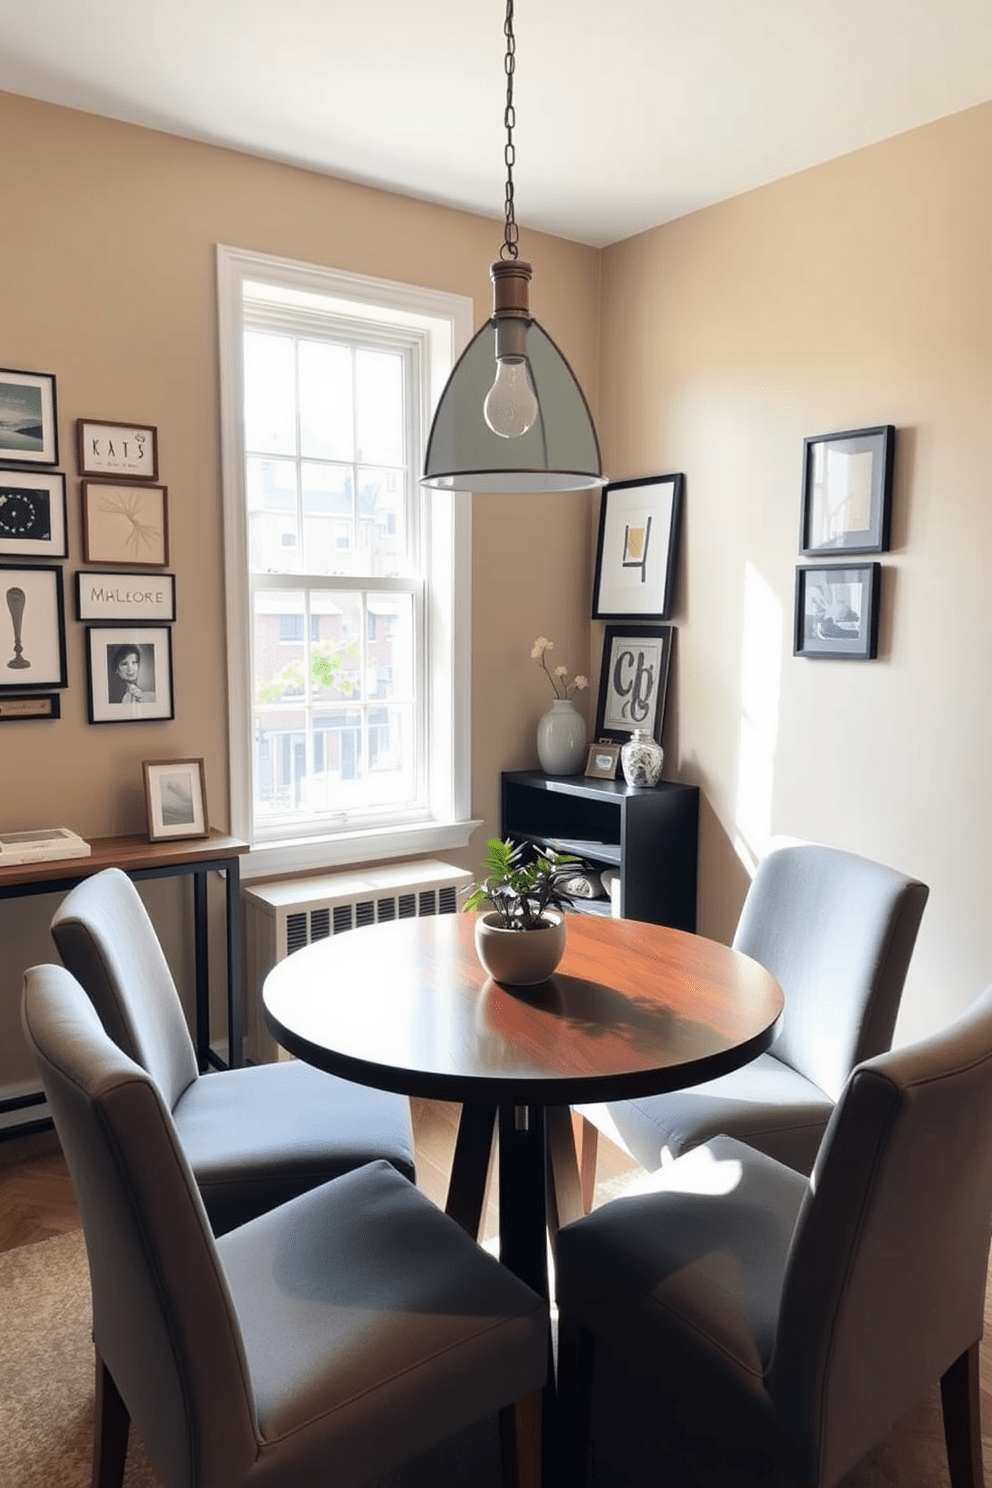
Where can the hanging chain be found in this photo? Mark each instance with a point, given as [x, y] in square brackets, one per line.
[509, 248]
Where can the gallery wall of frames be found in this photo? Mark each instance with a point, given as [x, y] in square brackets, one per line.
[123, 593]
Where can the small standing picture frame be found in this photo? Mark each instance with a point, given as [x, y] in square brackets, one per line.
[175, 799]
[637, 547]
[29, 432]
[847, 491]
[122, 451]
[633, 681]
[129, 673]
[837, 611]
[32, 628]
[603, 760]
[32, 514]
[125, 524]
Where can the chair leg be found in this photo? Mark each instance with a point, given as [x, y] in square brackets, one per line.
[111, 1427]
[587, 1146]
[576, 1367]
[960, 1395]
[520, 1442]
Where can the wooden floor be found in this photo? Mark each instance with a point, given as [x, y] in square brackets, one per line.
[36, 1199]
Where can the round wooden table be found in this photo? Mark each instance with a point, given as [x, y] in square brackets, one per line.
[634, 1009]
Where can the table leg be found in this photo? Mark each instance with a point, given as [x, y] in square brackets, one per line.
[235, 986]
[201, 968]
[470, 1166]
[522, 1204]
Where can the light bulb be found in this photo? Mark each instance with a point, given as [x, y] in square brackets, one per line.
[510, 407]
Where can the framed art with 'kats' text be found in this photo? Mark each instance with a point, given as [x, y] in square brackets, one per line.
[175, 799]
[122, 451]
[29, 433]
[129, 673]
[32, 514]
[636, 550]
[32, 628]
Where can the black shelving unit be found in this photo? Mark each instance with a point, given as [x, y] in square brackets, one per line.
[650, 833]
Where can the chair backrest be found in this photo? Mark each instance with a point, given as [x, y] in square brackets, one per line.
[837, 931]
[163, 1319]
[107, 941]
[885, 1283]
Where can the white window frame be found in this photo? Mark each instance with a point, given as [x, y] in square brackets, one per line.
[446, 519]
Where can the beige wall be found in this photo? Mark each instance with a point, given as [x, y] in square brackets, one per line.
[852, 295]
[107, 280]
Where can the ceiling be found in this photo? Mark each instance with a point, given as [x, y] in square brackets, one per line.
[629, 113]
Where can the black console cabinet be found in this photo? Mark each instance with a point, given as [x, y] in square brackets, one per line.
[650, 833]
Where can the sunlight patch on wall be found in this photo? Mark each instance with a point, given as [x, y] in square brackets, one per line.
[761, 679]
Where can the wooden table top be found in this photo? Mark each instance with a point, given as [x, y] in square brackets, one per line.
[132, 854]
[633, 1009]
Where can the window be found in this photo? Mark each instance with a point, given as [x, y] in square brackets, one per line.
[347, 581]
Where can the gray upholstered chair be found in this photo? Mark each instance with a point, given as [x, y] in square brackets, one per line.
[837, 931]
[333, 1337]
[254, 1137]
[813, 1312]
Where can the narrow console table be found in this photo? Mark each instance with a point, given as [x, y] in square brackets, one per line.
[139, 858]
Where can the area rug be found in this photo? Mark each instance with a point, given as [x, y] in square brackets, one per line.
[46, 1412]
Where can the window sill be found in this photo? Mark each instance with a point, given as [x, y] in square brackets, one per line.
[317, 853]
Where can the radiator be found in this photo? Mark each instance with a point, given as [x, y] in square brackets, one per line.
[284, 915]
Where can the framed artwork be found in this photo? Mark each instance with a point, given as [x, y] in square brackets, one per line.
[129, 673]
[125, 524]
[29, 432]
[847, 491]
[637, 547]
[123, 451]
[136, 597]
[32, 628]
[175, 799]
[41, 705]
[603, 760]
[32, 514]
[837, 610]
[633, 681]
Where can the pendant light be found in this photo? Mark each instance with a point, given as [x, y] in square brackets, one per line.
[512, 417]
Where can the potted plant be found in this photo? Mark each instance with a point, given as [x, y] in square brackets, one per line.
[522, 938]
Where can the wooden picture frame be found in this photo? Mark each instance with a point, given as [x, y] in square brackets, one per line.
[603, 760]
[29, 428]
[836, 611]
[125, 524]
[32, 514]
[633, 681]
[175, 799]
[637, 548]
[32, 628]
[141, 598]
[847, 491]
[122, 451]
[128, 688]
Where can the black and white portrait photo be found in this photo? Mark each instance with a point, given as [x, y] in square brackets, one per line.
[130, 673]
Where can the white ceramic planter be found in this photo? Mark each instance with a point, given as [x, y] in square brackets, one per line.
[520, 958]
[561, 739]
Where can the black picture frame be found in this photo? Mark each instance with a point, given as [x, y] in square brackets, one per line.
[637, 547]
[115, 597]
[108, 695]
[29, 425]
[28, 707]
[32, 628]
[633, 681]
[847, 491]
[33, 514]
[836, 614]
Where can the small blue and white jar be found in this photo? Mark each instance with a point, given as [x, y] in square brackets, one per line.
[641, 759]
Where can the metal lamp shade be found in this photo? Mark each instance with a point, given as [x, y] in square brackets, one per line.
[560, 452]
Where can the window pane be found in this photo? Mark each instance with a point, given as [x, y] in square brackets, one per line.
[389, 649]
[381, 522]
[270, 394]
[379, 413]
[326, 412]
[279, 649]
[273, 529]
[328, 518]
[336, 655]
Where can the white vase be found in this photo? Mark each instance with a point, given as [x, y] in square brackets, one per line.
[641, 759]
[561, 739]
[520, 958]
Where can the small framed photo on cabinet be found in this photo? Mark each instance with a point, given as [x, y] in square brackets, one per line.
[603, 760]
[175, 799]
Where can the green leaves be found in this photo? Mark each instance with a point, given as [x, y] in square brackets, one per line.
[521, 888]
